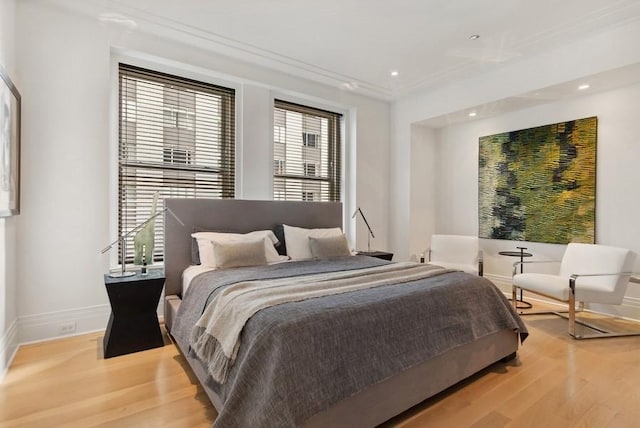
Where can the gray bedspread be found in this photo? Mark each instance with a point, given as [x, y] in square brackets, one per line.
[297, 359]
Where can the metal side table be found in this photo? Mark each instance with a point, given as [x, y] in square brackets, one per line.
[520, 303]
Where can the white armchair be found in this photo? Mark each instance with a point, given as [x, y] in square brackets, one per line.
[456, 252]
[588, 273]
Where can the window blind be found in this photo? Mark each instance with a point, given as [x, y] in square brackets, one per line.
[176, 139]
[307, 153]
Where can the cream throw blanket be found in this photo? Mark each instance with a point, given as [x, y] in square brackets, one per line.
[215, 337]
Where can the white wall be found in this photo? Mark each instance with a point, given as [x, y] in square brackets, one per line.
[616, 180]
[66, 63]
[8, 225]
[423, 214]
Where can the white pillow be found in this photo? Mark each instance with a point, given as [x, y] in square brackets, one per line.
[205, 244]
[297, 240]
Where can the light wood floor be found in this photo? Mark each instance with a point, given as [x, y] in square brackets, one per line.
[554, 382]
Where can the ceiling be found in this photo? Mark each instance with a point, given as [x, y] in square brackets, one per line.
[600, 82]
[355, 44]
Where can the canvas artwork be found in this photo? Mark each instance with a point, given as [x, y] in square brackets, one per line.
[9, 147]
[539, 184]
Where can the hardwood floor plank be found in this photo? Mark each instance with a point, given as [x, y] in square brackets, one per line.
[491, 420]
[72, 386]
[600, 415]
[555, 381]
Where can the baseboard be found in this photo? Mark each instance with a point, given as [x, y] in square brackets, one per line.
[8, 348]
[56, 325]
[53, 325]
[630, 308]
[50, 326]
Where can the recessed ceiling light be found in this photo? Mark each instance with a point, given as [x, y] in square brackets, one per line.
[474, 37]
[583, 87]
[473, 114]
[394, 73]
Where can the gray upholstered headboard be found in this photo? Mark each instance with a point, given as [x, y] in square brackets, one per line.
[232, 215]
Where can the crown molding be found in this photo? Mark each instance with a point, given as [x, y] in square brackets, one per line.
[162, 27]
[481, 60]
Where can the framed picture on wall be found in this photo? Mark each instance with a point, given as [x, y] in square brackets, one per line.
[539, 184]
[9, 147]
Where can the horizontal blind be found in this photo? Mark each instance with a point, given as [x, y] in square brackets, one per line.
[176, 139]
[307, 153]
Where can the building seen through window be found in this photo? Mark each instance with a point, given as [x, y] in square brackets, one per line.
[307, 153]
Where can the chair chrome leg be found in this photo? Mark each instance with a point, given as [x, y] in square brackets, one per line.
[601, 333]
[514, 297]
[572, 308]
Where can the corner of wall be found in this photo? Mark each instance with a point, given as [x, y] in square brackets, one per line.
[8, 240]
[8, 348]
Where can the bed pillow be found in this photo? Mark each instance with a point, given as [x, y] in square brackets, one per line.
[205, 244]
[297, 239]
[239, 253]
[330, 247]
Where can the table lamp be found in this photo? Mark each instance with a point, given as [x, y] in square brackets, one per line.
[123, 240]
[370, 234]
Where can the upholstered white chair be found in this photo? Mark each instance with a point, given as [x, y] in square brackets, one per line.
[456, 252]
[589, 273]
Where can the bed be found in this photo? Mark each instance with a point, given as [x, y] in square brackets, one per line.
[354, 358]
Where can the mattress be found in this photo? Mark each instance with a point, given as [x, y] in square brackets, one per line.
[190, 273]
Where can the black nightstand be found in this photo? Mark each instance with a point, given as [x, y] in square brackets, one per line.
[133, 324]
[377, 254]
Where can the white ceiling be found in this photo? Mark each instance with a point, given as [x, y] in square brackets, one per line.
[355, 44]
[601, 82]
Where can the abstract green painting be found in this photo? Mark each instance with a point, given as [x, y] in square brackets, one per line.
[539, 184]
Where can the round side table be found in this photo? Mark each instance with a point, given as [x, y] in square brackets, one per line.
[520, 303]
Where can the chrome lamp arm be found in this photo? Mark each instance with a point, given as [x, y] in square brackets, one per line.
[122, 239]
[370, 235]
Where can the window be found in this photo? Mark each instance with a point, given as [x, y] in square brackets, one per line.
[308, 142]
[176, 156]
[309, 169]
[278, 166]
[176, 138]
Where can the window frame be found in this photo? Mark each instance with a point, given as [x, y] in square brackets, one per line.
[335, 154]
[179, 162]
